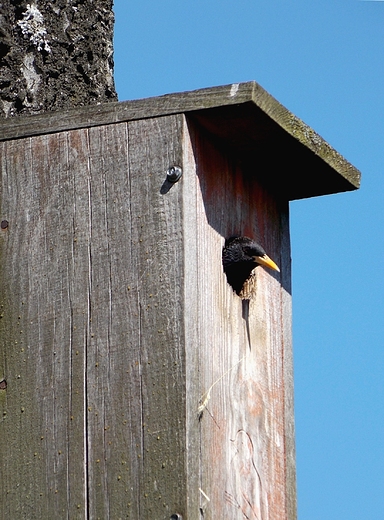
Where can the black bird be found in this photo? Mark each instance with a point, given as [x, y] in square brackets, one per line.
[240, 256]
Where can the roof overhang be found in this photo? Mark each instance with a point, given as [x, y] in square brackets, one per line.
[267, 137]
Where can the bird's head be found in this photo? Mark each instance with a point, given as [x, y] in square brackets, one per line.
[245, 250]
[240, 256]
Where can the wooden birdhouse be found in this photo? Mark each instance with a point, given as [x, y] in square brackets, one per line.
[134, 381]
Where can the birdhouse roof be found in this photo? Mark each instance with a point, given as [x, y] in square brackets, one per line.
[270, 140]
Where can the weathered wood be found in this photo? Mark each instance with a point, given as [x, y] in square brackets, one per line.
[92, 337]
[44, 323]
[136, 360]
[288, 152]
[245, 377]
[113, 112]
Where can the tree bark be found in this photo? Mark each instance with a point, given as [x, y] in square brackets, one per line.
[55, 54]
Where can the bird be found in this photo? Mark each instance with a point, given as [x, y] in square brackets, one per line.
[240, 257]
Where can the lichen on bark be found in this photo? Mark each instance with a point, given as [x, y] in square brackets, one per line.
[55, 55]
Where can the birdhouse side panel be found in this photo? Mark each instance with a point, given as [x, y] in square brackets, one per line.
[243, 346]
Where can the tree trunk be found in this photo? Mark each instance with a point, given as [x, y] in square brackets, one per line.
[55, 55]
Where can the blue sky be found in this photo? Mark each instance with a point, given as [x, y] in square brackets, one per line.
[325, 62]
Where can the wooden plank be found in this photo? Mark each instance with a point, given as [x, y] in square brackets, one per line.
[79, 208]
[245, 377]
[110, 113]
[113, 379]
[157, 240]
[44, 316]
[136, 362]
[243, 114]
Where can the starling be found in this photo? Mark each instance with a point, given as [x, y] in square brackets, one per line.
[240, 256]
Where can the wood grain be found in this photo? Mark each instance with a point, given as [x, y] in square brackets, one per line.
[117, 324]
[245, 377]
[43, 338]
[91, 324]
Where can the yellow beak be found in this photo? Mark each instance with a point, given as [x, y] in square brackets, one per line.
[266, 262]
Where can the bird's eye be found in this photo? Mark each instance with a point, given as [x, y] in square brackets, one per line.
[249, 251]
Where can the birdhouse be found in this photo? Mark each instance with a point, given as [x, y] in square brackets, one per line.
[135, 380]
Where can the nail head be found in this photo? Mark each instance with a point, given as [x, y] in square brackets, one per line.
[174, 173]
